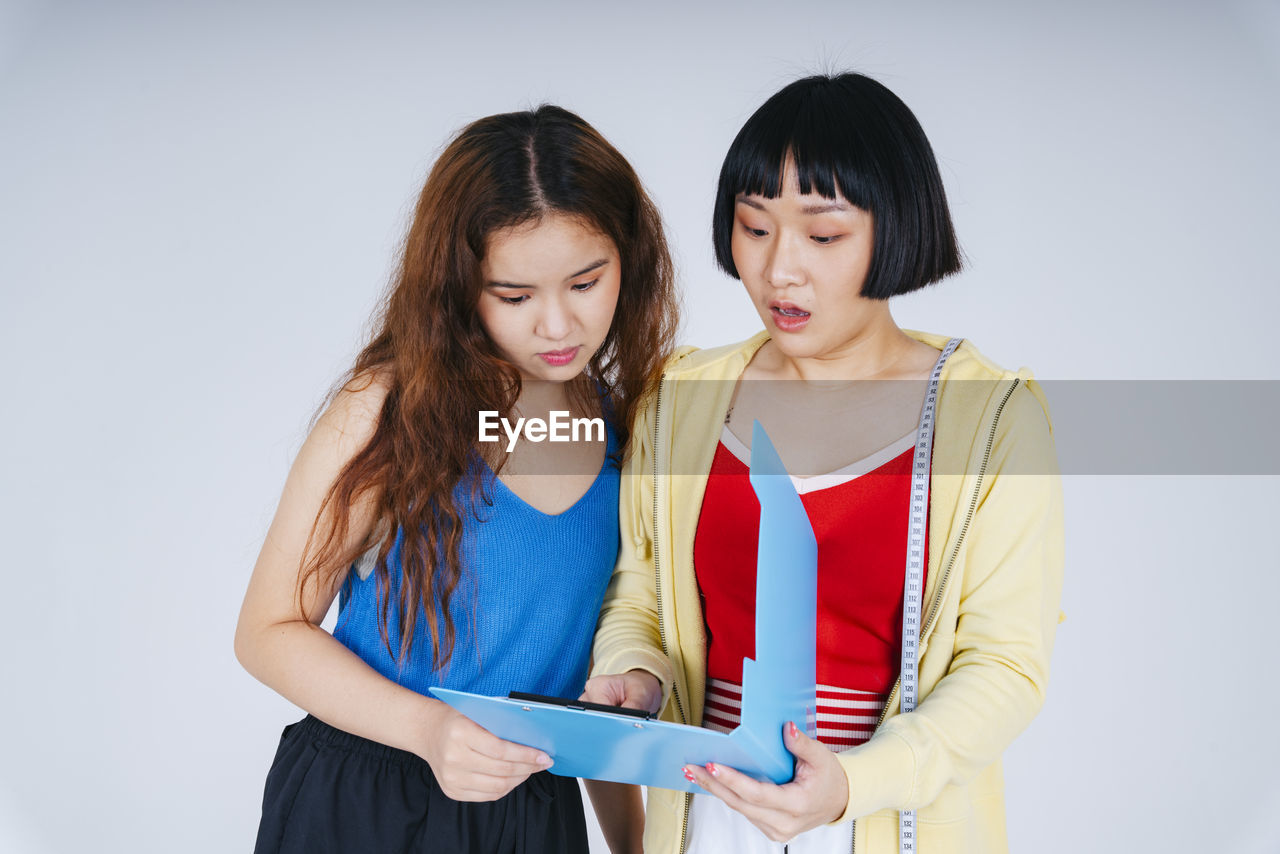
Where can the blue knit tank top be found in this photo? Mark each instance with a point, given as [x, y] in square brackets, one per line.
[525, 607]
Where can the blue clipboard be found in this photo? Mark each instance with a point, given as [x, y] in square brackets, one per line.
[777, 687]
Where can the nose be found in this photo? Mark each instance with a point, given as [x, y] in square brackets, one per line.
[784, 265]
[555, 320]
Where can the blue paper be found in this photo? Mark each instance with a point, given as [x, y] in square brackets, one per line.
[777, 686]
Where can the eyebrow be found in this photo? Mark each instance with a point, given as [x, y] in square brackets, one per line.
[594, 265]
[826, 207]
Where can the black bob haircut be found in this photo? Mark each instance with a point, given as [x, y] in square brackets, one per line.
[848, 133]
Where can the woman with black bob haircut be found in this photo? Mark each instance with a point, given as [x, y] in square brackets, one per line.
[849, 137]
[830, 203]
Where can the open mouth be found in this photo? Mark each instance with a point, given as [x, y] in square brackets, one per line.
[788, 317]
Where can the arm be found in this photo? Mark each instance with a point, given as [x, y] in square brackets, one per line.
[627, 642]
[620, 812]
[1009, 592]
[291, 654]
[632, 670]
[619, 807]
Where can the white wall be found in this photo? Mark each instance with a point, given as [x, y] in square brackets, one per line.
[200, 202]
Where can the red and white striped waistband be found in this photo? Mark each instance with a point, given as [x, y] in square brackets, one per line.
[845, 717]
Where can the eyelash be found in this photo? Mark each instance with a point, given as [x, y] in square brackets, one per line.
[820, 239]
[581, 287]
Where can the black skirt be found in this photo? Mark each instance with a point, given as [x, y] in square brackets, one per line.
[331, 791]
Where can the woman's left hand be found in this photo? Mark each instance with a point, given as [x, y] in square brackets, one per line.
[816, 796]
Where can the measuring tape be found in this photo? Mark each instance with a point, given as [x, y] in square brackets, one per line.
[913, 589]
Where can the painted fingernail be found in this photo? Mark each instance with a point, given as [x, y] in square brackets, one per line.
[712, 769]
[688, 775]
[795, 730]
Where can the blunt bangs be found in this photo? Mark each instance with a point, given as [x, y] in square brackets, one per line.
[850, 137]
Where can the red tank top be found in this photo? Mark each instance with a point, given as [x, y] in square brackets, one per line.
[859, 518]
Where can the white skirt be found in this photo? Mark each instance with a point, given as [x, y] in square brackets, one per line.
[715, 829]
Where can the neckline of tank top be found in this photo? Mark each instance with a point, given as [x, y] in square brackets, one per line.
[818, 482]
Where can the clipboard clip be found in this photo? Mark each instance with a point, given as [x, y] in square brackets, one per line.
[580, 705]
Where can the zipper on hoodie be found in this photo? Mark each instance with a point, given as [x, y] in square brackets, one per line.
[657, 586]
[946, 574]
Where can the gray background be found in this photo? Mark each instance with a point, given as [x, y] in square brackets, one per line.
[200, 203]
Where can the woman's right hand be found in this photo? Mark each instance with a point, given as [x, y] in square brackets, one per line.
[472, 764]
[635, 689]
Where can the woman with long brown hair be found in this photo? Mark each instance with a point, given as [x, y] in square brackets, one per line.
[535, 290]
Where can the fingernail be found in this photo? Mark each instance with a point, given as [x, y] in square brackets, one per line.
[795, 730]
[688, 775]
[712, 769]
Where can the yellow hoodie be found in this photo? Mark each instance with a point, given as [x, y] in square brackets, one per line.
[991, 598]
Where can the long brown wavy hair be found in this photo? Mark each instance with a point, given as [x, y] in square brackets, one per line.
[440, 368]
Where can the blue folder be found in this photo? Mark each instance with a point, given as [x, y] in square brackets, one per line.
[777, 687]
